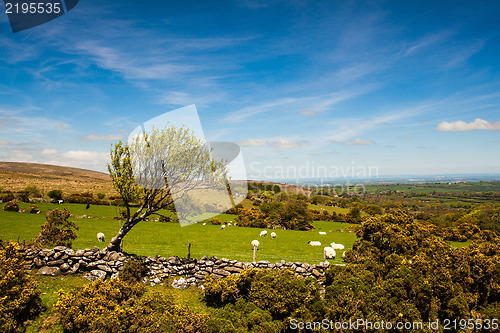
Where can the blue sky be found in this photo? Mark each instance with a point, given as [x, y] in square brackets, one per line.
[403, 86]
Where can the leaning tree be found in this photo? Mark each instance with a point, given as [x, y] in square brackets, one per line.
[156, 170]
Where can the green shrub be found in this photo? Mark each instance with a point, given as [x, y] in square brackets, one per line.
[19, 295]
[33, 191]
[101, 195]
[11, 206]
[243, 316]
[58, 230]
[133, 271]
[93, 306]
[280, 292]
[7, 196]
[118, 306]
[55, 194]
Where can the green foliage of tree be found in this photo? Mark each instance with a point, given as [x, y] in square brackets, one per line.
[33, 191]
[291, 214]
[166, 159]
[101, 195]
[58, 230]
[19, 295]
[55, 194]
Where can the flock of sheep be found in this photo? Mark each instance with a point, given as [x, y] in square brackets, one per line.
[328, 251]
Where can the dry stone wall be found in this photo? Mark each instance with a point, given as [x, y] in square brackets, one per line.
[102, 264]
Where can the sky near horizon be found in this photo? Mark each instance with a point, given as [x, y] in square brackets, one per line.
[406, 87]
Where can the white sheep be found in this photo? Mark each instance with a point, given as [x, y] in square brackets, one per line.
[222, 227]
[322, 233]
[263, 233]
[329, 253]
[337, 246]
[314, 243]
[205, 223]
[100, 237]
[343, 255]
[60, 201]
[229, 224]
[273, 235]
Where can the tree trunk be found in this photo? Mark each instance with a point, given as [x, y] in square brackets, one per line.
[116, 242]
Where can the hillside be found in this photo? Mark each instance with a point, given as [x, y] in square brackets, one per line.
[16, 176]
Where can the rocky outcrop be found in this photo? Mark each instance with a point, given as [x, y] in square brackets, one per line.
[102, 264]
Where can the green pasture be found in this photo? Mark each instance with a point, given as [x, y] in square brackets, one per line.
[329, 209]
[457, 188]
[170, 239]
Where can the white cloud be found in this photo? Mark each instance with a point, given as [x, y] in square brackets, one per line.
[477, 124]
[96, 136]
[82, 155]
[285, 144]
[280, 143]
[359, 142]
[49, 152]
[354, 142]
[252, 142]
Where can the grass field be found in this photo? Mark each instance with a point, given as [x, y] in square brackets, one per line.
[169, 239]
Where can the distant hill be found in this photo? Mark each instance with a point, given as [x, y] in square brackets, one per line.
[16, 176]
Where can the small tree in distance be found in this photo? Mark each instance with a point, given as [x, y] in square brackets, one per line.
[58, 230]
[55, 194]
[168, 162]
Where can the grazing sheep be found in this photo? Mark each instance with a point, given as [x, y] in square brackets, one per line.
[60, 201]
[314, 243]
[205, 223]
[263, 233]
[222, 227]
[322, 233]
[343, 255]
[229, 224]
[329, 253]
[273, 235]
[100, 237]
[337, 246]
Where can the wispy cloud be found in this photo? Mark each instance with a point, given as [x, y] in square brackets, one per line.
[183, 98]
[477, 124]
[251, 111]
[96, 136]
[252, 142]
[279, 143]
[354, 142]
